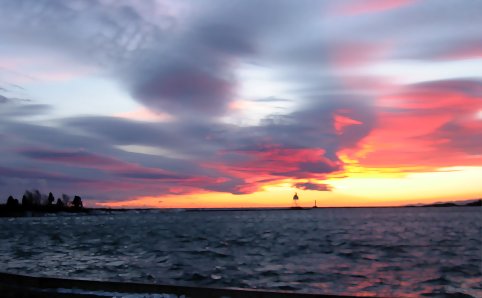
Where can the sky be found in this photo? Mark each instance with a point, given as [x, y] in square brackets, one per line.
[179, 104]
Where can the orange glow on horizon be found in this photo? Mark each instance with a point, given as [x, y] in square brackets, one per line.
[354, 191]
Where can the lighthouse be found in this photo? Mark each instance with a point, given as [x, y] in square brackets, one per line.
[295, 200]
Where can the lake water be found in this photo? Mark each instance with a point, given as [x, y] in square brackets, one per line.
[362, 251]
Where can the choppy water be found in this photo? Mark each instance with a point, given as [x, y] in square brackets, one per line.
[382, 251]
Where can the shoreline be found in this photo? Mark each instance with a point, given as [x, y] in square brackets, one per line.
[21, 212]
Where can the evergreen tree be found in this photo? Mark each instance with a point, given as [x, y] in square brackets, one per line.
[50, 199]
[11, 202]
[77, 202]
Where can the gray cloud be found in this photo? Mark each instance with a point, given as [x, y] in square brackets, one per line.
[313, 186]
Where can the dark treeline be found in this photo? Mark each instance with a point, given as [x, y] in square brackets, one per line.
[35, 201]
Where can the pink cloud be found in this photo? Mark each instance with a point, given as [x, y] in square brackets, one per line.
[371, 6]
[145, 114]
[25, 69]
[274, 164]
[464, 51]
[351, 53]
[341, 122]
[429, 125]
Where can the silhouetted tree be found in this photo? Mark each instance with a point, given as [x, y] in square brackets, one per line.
[27, 200]
[11, 202]
[32, 199]
[50, 199]
[77, 202]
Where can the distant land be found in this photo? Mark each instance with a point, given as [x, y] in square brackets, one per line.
[476, 202]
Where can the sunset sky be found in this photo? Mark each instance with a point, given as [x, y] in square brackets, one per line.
[242, 103]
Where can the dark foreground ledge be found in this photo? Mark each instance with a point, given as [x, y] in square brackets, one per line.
[14, 285]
